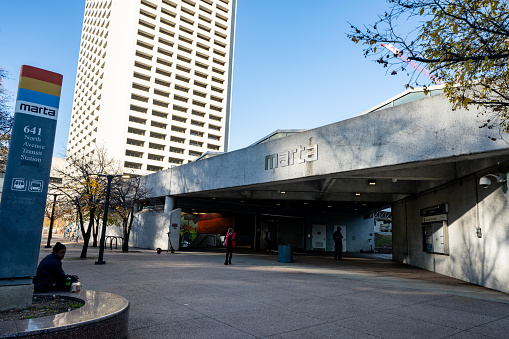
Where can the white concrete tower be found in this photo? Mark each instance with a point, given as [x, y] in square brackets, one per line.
[154, 81]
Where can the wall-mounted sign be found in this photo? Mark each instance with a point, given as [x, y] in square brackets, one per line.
[433, 218]
[434, 210]
[27, 173]
[291, 157]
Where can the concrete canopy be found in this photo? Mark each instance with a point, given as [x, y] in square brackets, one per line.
[406, 149]
[421, 154]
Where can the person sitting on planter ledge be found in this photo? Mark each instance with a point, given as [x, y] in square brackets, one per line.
[50, 275]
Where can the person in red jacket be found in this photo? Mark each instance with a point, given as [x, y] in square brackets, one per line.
[230, 243]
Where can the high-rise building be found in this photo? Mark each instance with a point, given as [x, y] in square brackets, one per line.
[154, 81]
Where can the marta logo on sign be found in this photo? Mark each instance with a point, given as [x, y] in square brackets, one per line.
[36, 109]
[290, 157]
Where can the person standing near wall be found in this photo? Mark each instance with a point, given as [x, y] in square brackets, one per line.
[230, 243]
[338, 244]
[268, 240]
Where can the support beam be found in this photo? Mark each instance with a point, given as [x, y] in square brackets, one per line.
[326, 187]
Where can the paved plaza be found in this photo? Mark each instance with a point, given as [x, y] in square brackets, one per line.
[191, 294]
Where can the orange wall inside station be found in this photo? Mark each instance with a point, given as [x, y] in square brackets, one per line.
[214, 223]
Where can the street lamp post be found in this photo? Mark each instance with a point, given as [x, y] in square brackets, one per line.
[109, 178]
[48, 245]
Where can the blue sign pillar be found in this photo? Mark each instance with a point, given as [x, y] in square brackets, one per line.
[26, 183]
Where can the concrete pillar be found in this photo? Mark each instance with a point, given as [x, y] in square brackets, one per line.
[169, 204]
[174, 214]
[16, 296]
[258, 231]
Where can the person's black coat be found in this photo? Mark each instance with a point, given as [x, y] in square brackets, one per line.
[50, 275]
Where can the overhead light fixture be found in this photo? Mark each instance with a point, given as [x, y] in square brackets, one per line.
[329, 206]
[372, 182]
[278, 204]
[282, 192]
[394, 179]
[305, 203]
[357, 194]
[242, 201]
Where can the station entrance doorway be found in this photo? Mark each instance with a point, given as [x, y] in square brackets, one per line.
[281, 230]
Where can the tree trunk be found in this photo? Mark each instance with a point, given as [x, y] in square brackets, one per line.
[83, 250]
[126, 231]
[125, 237]
[95, 230]
[86, 235]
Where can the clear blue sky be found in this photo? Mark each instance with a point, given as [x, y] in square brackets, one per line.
[294, 66]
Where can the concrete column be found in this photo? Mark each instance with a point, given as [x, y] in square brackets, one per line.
[169, 204]
[258, 231]
[174, 221]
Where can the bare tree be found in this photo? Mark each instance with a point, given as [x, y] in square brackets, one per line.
[125, 195]
[6, 121]
[54, 208]
[84, 189]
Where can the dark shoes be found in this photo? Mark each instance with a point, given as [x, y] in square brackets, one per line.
[226, 263]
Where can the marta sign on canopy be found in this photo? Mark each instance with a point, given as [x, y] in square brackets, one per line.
[27, 175]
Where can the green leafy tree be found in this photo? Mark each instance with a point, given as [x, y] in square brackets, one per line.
[464, 43]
